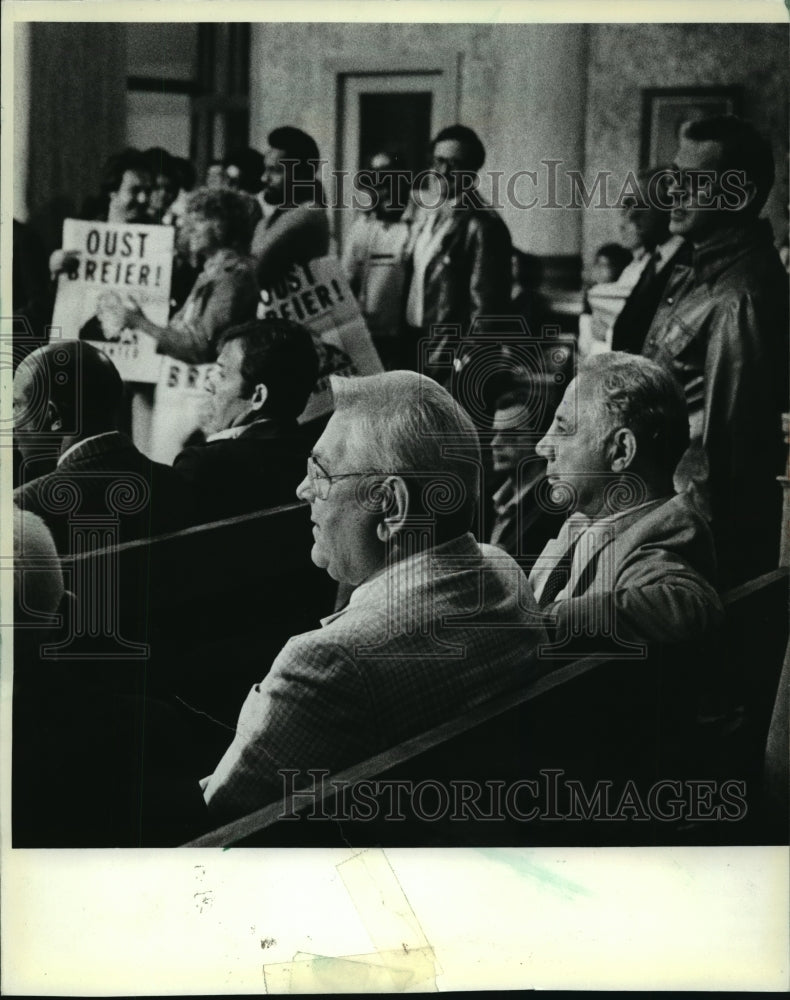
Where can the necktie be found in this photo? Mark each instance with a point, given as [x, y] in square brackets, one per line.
[630, 327]
[559, 576]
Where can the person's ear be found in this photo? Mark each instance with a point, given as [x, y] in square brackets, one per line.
[54, 419]
[395, 508]
[622, 449]
[259, 396]
[749, 189]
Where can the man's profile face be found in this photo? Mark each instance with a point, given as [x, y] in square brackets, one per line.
[344, 529]
[575, 450]
[130, 202]
[509, 448]
[273, 176]
[29, 407]
[692, 215]
[227, 401]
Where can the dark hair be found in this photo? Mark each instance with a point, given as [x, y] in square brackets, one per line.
[116, 166]
[642, 395]
[186, 173]
[230, 210]
[280, 354]
[533, 400]
[250, 164]
[743, 148]
[296, 145]
[474, 150]
[618, 256]
[161, 162]
[81, 382]
[519, 394]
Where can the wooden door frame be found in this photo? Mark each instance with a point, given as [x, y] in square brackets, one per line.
[445, 64]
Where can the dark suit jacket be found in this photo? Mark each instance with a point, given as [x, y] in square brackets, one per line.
[468, 278]
[112, 491]
[631, 326]
[261, 468]
[524, 527]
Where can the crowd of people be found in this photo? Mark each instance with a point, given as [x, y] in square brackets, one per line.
[618, 511]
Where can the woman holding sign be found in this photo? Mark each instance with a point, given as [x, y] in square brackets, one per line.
[217, 226]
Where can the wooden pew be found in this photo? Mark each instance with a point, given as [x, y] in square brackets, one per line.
[596, 718]
[204, 611]
[157, 651]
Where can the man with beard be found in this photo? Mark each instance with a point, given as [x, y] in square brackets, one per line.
[295, 229]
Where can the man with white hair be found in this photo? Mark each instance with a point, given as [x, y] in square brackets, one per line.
[437, 623]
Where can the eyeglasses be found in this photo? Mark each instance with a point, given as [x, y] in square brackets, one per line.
[321, 481]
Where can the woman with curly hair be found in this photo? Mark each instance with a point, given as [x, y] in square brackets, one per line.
[217, 229]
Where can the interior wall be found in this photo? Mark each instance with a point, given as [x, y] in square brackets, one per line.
[520, 87]
[623, 58]
[77, 116]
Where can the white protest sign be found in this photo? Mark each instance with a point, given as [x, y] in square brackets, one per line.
[180, 394]
[318, 295]
[116, 260]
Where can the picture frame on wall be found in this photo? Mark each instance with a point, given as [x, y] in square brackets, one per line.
[665, 109]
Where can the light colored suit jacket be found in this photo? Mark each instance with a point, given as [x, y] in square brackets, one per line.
[428, 638]
[646, 575]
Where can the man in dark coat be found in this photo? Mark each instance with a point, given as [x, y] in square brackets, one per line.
[524, 516]
[721, 329]
[255, 452]
[102, 490]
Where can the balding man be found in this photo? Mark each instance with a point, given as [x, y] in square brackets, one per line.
[634, 559]
[67, 400]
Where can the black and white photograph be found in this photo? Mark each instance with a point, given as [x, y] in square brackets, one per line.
[397, 453]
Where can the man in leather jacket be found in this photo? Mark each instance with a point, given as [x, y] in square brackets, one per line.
[459, 253]
[722, 330]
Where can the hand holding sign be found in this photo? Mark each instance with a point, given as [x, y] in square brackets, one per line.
[64, 262]
[134, 317]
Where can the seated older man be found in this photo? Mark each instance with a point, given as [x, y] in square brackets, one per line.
[437, 623]
[634, 560]
[68, 398]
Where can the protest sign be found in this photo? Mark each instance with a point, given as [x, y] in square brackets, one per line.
[116, 260]
[318, 295]
[180, 393]
[315, 294]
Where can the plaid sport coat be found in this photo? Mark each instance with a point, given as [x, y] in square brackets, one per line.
[431, 636]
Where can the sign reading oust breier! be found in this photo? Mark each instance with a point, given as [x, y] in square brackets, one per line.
[116, 259]
[317, 294]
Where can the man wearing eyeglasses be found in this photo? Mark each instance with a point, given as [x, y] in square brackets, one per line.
[459, 250]
[437, 623]
[722, 330]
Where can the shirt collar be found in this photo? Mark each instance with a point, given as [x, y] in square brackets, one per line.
[509, 494]
[235, 430]
[78, 444]
[667, 250]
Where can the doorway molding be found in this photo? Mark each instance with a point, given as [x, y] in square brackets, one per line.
[442, 66]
